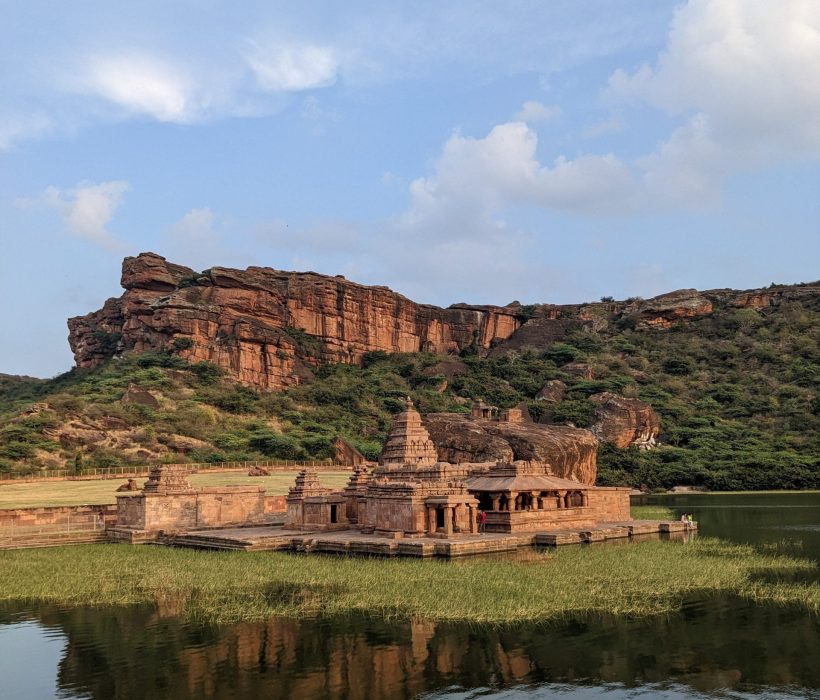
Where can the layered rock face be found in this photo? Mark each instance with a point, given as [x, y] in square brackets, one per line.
[266, 327]
[569, 452]
[624, 422]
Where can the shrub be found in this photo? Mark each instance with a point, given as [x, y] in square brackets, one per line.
[276, 445]
[183, 343]
[579, 412]
[206, 372]
[561, 353]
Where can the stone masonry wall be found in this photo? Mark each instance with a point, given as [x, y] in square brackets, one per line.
[610, 503]
[184, 510]
[56, 515]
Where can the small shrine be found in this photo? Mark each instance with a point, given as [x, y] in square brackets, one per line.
[312, 506]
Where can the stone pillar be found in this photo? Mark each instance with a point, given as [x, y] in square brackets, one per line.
[495, 498]
[448, 520]
[561, 499]
[536, 501]
[431, 519]
[473, 520]
[511, 498]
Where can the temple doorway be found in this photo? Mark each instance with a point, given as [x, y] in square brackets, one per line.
[439, 518]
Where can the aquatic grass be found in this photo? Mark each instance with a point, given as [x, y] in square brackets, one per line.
[639, 579]
[652, 513]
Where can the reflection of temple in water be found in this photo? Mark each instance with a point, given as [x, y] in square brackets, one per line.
[142, 653]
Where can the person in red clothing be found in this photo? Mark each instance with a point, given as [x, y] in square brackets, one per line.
[482, 521]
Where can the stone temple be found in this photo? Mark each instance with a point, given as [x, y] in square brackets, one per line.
[413, 494]
[412, 502]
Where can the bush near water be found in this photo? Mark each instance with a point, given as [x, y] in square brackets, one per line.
[737, 393]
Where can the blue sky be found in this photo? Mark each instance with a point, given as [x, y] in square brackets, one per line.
[478, 151]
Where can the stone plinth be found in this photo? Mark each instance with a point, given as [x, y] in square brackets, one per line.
[168, 512]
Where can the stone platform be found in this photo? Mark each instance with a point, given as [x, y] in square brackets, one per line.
[354, 542]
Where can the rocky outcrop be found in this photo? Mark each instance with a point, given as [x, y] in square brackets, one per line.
[569, 452]
[267, 328]
[346, 454]
[578, 369]
[664, 310]
[624, 422]
[552, 392]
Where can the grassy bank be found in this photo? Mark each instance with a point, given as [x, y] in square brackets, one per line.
[71, 493]
[652, 513]
[646, 578]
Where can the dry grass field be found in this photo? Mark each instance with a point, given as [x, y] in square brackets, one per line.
[70, 493]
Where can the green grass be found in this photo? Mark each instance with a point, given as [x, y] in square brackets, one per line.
[652, 513]
[70, 493]
[638, 579]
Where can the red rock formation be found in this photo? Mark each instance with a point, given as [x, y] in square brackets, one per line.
[571, 453]
[552, 392]
[266, 327]
[664, 310]
[624, 422]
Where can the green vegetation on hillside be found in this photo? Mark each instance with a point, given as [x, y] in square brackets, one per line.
[736, 392]
[633, 579]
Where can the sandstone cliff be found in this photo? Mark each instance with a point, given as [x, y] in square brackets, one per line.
[268, 328]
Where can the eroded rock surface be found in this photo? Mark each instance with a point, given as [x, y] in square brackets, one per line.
[570, 452]
[552, 392]
[269, 328]
[623, 421]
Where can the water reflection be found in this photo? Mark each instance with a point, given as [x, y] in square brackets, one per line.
[787, 523]
[711, 645]
[714, 646]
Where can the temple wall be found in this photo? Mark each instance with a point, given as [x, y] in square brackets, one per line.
[57, 515]
[610, 503]
[535, 520]
[275, 504]
[395, 514]
[211, 507]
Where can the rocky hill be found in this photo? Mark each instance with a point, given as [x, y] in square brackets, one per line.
[269, 329]
[716, 389]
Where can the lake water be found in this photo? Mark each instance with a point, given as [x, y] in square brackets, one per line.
[713, 647]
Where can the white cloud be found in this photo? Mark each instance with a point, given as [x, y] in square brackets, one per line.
[141, 85]
[748, 69]
[292, 67]
[86, 209]
[533, 111]
[485, 175]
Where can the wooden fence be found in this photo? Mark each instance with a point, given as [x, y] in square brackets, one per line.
[142, 470]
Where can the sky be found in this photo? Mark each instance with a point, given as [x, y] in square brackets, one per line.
[482, 152]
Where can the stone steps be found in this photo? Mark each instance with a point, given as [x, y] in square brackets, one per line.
[356, 542]
[54, 539]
